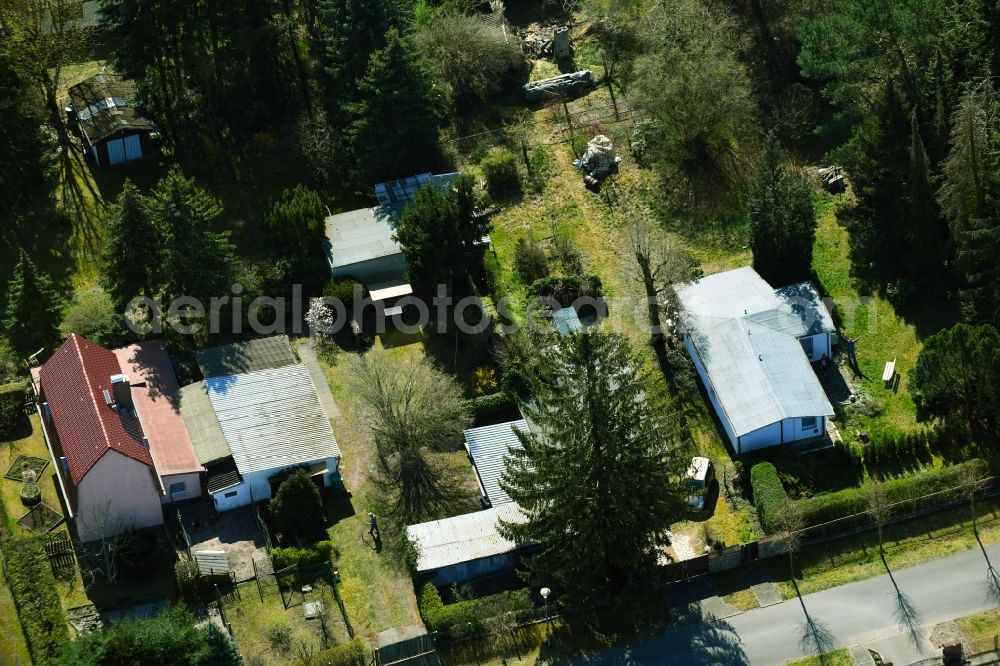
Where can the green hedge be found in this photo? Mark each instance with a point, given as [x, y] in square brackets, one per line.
[317, 553]
[487, 405]
[11, 405]
[500, 171]
[833, 506]
[30, 579]
[348, 654]
[463, 618]
[567, 289]
[768, 493]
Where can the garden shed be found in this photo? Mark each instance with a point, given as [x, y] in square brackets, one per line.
[488, 446]
[113, 130]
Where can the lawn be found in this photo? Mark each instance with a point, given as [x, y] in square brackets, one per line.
[27, 440]
[841, 657]
[913, 542]
[981, 629]
[376, 586]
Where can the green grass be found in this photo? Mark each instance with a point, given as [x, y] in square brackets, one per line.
[981, 629]
[841, 657]
[13, 647]
[913, 542]
[27, 440]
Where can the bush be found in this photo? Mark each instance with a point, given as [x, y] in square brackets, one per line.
[768, 493]
[567, 289]
[189, 583]
[297, 507]
[317, 553]
[342, 289]
[530, 262]
[11, 405]
[94, 316]
[500, 170]
[430, 599]
[464, 618]
[30, 494]
[351, 653]
[853, 501]
[487, 405]
[33, 587]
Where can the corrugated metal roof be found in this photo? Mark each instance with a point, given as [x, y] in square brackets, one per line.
[202, 424]
[248, 356]
[489, 446]
[362, 235]
[471, 536]
[102, 106]
[272, 418]
[746, 334]
[222, 475]
[567, 321]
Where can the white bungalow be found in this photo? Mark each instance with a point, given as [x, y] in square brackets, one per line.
[752, 347]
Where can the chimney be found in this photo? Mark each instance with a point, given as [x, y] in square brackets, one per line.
[121, 391]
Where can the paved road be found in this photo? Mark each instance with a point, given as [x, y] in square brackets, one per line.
[891, 615]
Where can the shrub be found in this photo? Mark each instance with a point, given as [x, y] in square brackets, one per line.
[485, 379]
[297, 507]
[567, 289]
[430, 600]
[189, 583]
[500, 170]
[11, 405]
[279, 635]
[317, 553]
[30, 494]
[530, 261]
[342, 289]
[351, 653]
[33, 587]
[464, 618]
[768, 493]
[487, 405]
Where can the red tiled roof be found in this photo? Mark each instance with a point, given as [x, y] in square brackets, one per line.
[73, 381]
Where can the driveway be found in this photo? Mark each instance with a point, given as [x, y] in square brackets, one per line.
[234, 532]
[893, 615]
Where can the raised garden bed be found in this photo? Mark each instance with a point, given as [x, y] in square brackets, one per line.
[30, 494]
[26, 462]
[40, 519]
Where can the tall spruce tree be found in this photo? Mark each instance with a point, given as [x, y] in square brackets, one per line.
[598, 482]
[781, 221]
[194, 260]
[31, 314]
[22, 142]
[131, 255]
[394, 127]
[925, 227]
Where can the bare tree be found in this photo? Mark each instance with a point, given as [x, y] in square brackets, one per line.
[498, 617]
[789, 523]
[659, 265]
[115, 538]
[879, 509]
[413, 410]
[972, 479]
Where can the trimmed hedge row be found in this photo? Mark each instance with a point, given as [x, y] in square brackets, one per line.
[768, 493]
[317, 553]
[488, 405]
[463, 618]
[351, 653]
[833, 506]
[30, 579]
[11, 405]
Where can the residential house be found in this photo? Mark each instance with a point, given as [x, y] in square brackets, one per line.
[752, 346]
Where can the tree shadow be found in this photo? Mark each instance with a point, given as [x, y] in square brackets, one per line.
[815, 635]
[906, 613]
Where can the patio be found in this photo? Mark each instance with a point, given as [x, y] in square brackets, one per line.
[236, 532]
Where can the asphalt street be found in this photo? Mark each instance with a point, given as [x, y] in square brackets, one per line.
[891, 614]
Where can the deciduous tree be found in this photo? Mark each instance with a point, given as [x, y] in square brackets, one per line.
[599, 481]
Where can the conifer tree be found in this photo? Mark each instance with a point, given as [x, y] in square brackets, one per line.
[131, 255]
[782, 223]
[32, 309]
[394, 130]
[925, 228]
[598, 482]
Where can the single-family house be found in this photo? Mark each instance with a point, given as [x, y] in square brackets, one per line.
[752, 346]
[254, 419]
[112, 128]
[469, 546]
[111, 423]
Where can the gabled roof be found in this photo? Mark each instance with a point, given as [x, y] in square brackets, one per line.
[489, 446]
[73, 382]
[248, 356]
[104, 106]
[747, 337]
[206, 434]
[272, 418]
[471, 536]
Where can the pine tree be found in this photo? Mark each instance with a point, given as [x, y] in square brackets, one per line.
[926, 230]
[194, 260]
[598, 482]
[781, 221]
[394, 130]
[131, 254]
[295, 229]
[32, 309]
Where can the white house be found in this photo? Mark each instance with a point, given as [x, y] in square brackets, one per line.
[752, 346]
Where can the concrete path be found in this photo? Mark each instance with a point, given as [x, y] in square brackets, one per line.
[893, 615]
[308, 358]
[763, 588]
[861, 656]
